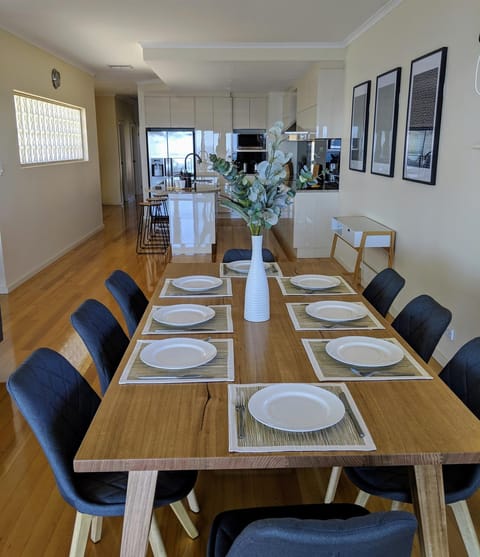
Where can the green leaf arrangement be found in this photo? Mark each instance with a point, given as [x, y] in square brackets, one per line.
[259, 200]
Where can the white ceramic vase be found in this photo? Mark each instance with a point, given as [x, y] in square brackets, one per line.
[257, 298]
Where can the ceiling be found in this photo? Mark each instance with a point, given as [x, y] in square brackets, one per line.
[193, 45]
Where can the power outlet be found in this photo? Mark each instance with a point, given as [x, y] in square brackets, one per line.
[450, 333]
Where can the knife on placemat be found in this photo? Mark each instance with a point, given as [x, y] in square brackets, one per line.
[342, 396]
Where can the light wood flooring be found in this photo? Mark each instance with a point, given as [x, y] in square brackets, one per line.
[34, 519]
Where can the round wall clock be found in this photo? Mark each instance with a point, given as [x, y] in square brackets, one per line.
[56, 78]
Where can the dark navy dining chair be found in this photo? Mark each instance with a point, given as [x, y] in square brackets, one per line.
[129, 297]
[235, 254]
[59, 405]
[106, 342]
[383, 289]
[339, 529]
[461, 481]
[421, 323]
[103, 336]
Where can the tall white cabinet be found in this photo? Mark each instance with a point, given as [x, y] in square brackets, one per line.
[320, 102]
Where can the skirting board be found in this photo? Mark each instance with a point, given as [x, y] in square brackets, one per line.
[10, 287]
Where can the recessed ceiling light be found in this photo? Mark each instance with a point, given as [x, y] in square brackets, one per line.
[120, 67]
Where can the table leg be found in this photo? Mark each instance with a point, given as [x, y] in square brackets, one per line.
[138, 512]
[429, 503]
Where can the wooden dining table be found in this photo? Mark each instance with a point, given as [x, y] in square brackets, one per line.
[146, 428]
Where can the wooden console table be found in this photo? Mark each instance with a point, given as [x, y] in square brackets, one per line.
[360, 233]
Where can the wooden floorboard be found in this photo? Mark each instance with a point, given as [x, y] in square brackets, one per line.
[34, 520]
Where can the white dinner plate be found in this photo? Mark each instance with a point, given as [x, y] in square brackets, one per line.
[315, 282]
[183, 315]
[178, 353]
[364, 351]
[296, 407]
[336, 312]
[197, 283]
[243, 265]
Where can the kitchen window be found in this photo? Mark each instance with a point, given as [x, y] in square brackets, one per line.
[49, 131]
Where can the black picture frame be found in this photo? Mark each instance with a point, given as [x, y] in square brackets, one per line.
[385, 123]
[359, 126]
[424, 113]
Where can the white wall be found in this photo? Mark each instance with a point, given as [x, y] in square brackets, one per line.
[437, 249]
[44, 210]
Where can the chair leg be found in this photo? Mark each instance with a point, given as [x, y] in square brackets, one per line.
[362, 498]
[466, 527]
[184, 519]
[155, 539]
[333, 484]
[192, 502]
[80, 534]
[96, 529]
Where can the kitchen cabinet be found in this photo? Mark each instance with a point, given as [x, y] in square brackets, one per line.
[204, 113]
[313, 211]
[304, 227]
[320, 102]
[182, 112]
[330, 103]
[157, 112]
[169, 112]
[222, 114]
[249, 113]
[192, 222]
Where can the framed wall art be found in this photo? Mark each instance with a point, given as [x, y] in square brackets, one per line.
[424, 112]
[385, 122]
[359, 126]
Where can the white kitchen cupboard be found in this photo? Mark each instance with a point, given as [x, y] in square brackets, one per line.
[258, 113]
[213, 126]
[204, 113]
[182, 112]
[157, 112]
[330, 103]
[249, 113]
[320, 102]
[169, 112]
[222, 114]
[204, 136]
[241, 113]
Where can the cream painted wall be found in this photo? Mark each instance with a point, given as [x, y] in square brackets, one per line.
[108, 149]
[438, 249]
[44, 210]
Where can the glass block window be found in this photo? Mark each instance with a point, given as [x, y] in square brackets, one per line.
[48, 131]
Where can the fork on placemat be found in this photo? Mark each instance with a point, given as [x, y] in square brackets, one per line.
[240, 407]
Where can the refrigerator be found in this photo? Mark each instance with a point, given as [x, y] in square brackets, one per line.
[167, 149]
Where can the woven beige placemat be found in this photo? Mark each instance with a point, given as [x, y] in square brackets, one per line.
[288, 289]
[304, 322]
[345, 435]
[221, 368]
[273, 270]
[220, 323]
[170, 291]
[328, 369]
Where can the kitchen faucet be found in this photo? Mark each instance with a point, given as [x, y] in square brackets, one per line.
[195, 157]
